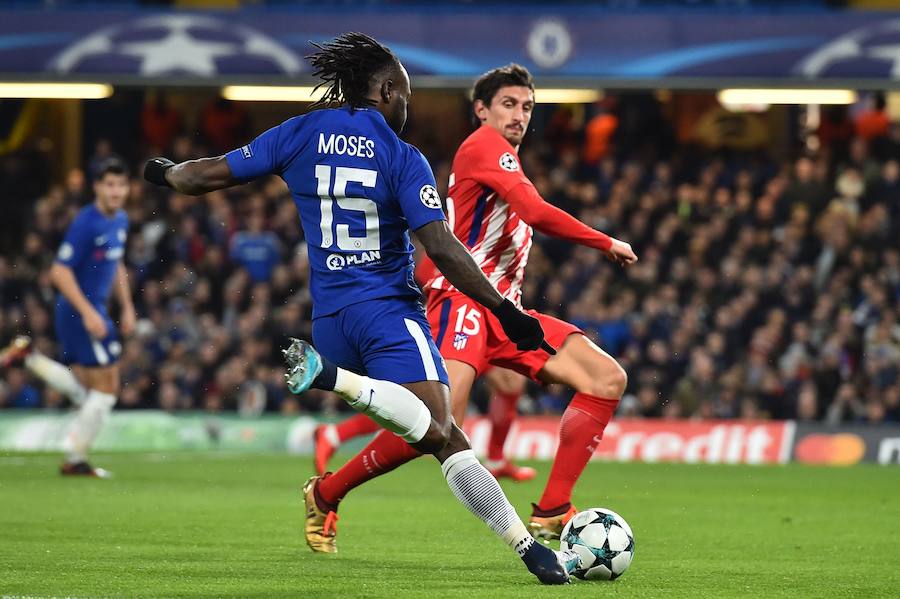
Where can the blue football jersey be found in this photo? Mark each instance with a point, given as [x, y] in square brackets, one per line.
[359, 190]
[92, 248]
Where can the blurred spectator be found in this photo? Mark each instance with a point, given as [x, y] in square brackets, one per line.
[599, 132]
[19, 392]
[806, 188]
[256, 249]
[835, 131]
[873, 122]
[103, 151]
[225, 125]
[160, 123]
[807, 403]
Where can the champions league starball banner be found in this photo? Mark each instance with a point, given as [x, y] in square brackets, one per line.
[565, 42]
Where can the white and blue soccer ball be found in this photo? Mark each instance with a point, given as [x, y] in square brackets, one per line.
[603, 540]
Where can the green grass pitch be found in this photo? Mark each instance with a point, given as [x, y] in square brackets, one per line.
[211, 525]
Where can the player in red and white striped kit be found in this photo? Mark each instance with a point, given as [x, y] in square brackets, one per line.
[492, 208]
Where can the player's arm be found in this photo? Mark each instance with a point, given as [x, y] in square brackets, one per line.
[496, 166]
[192, 177]
[456, 264]
[63, 278]
[550, 220]
[127, 316]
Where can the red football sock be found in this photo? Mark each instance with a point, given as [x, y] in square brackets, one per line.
[384, 453]
[356, 426]
[502, 412]
[580, 430]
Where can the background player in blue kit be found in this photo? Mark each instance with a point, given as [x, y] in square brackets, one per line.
[87, 270]
[359, 190]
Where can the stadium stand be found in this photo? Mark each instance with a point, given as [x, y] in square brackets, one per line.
[765, 289]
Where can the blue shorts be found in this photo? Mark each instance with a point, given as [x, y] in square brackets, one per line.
[78, 347]
[387, 339]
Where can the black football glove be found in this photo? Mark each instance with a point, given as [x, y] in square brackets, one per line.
[523, 330]
[155, 171]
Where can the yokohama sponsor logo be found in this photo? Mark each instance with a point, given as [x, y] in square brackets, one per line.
[713, 442]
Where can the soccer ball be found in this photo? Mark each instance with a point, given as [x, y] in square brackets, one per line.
[603, 540]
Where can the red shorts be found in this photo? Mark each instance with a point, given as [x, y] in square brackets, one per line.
[465, 330]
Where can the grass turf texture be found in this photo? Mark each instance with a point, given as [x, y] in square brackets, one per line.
[208, 525]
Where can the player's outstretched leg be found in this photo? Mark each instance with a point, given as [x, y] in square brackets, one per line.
[476, 489]
[327, 438]
[599, 382]
[89, 421]
[93, 406]
[467, 478]
[14, 353]
[384, 453]
[470, 482]
[102, 384]
[55, 375]
[390, 405]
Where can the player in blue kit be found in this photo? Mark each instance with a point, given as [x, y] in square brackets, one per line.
[359, 191]
[88, 269]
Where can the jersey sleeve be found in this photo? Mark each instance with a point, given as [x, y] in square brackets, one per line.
[549, 219]
[494, 164]
[415, 189]
[76, 244]
[262, 156]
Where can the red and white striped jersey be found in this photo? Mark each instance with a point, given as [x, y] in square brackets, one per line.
[485, 169]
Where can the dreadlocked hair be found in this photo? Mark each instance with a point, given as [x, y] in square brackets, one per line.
[346, 65]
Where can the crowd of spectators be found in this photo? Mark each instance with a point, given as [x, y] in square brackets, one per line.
[764, 289]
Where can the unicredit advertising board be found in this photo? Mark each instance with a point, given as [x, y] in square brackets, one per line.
[709, 442]
[462, 42]
[626, 440]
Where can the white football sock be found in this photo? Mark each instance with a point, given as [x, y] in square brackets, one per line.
[393, 406]
[56, 375]
[88, 423]
[476, 489]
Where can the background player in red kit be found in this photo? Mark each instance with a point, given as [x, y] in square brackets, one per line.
[492, 207]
